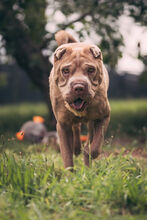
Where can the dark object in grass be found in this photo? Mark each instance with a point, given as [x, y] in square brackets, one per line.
[33, 132]
[36, 132]
[51, 139]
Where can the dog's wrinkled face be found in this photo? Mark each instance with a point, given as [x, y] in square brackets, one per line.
[78, 73]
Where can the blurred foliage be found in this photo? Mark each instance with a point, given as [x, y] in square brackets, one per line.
[22, 17]
[97, 16]
[102, 17]
[138, 10]
[22, 26]
[143, 58]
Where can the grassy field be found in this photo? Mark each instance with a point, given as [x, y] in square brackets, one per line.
[34, 185]
[127, 117]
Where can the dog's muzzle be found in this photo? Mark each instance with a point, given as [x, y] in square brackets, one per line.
[79, 91]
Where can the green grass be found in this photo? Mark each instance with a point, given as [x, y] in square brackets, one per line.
[13, 116]
[34, 185]
[128, 117]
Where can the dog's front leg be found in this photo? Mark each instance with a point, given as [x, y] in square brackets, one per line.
[98, 129]
[76, 139]
[66, 140]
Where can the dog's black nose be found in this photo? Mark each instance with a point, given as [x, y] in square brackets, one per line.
[79, 88]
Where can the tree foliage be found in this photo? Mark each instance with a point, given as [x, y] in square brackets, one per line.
[22, 26]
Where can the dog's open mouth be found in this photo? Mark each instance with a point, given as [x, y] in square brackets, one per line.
[78, 104]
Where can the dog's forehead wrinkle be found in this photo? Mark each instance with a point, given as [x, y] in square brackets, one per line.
[66, 65]
[89, 64]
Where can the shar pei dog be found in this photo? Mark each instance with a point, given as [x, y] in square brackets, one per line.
[78, 91]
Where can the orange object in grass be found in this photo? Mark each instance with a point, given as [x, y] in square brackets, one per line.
[20, 135]
[83, 138]
[38, 119]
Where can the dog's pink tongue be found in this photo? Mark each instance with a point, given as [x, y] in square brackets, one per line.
[78, 104]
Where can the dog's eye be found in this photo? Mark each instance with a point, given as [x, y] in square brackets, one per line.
[90, 70]
[65, 71]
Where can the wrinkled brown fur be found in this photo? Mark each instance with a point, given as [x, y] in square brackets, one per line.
[79, 72]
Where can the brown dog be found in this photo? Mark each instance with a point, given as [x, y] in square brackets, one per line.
[78, 92]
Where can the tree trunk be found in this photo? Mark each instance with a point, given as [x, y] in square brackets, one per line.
[29, 57]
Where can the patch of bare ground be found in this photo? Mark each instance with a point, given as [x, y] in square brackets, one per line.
[126, 146]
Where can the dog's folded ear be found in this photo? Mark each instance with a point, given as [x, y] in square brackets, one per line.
[96, 52]
[63, 37]
[59, 53]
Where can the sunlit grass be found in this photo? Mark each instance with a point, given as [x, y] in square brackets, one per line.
[128, 117]
[37, 185]
[129, 105]
[13, 116]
